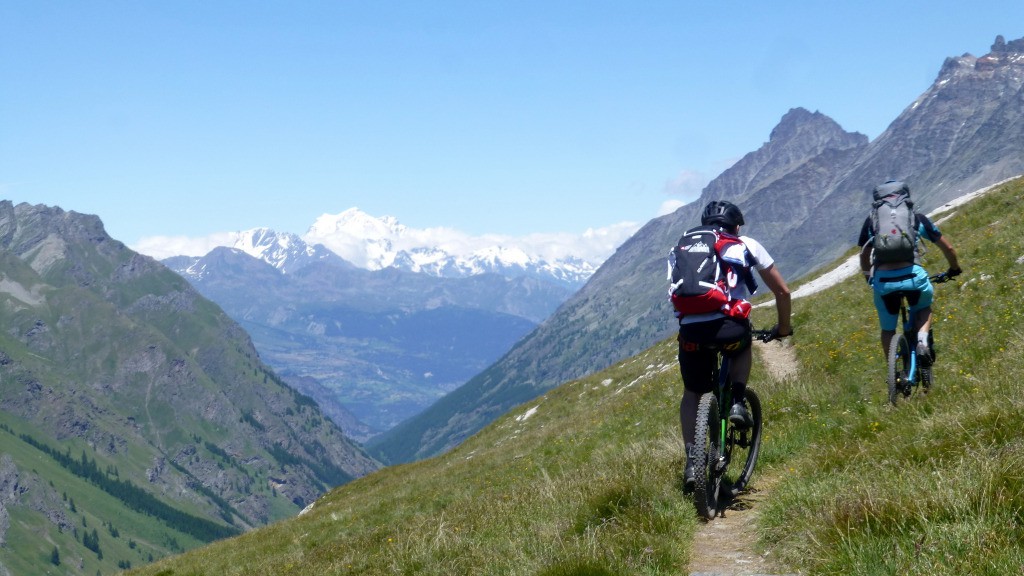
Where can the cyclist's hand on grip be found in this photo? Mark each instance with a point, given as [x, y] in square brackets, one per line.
[953, 272]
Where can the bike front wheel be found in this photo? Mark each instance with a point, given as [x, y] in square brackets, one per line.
[743, 445]
[899, 368]
[707, 456]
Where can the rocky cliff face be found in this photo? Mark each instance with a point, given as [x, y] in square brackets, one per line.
[964, 133]
[800, 137]
[804, 194]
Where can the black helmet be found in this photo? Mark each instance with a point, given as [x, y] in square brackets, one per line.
[890, 188]
[723, 213]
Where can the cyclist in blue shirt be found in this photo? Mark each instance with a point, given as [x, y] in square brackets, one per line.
[907, 276]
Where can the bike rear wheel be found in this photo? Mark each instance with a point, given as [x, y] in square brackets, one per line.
[707, 451]
[899, 368]
[743, 446]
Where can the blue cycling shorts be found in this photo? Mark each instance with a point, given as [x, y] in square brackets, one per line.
[913, 280]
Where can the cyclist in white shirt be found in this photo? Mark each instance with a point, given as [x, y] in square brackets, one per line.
[702, 335]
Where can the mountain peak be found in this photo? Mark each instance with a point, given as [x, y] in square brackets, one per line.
[799, 136]
[376, 243]
[1004, 55]
[1001, 46]
[798, 122]
[354, 222]
[285, 251]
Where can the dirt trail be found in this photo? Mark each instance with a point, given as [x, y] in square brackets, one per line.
[727, 545]
[779, 358]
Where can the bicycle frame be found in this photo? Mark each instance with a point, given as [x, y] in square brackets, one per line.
[906, 371]
[717, 442]
[909, 331]
[723, 392]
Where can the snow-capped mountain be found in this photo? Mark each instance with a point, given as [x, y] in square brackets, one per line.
[507, 261]
[378, 243]
[285, 251]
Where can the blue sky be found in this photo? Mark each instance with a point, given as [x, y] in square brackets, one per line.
[191, 118]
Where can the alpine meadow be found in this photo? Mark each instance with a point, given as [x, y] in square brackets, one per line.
[586, 479]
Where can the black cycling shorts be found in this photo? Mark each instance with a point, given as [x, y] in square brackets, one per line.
[699, 343]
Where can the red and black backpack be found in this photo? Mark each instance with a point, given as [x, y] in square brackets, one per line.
[701, 278]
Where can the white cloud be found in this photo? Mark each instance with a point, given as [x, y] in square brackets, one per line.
[670, 206]
[686, 186]
[593, 245]
[161, 247]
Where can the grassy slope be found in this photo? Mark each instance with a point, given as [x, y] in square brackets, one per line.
[31, 538]
[589, 482]
[935, 486]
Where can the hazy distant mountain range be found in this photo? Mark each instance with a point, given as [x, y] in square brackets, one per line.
[375, 346]
[379, 243]
[372, 243]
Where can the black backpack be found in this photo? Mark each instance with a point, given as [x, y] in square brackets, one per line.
[700, 277]
[893, 224]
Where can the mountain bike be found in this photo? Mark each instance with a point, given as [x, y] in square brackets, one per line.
[906, 375]
[718, 442]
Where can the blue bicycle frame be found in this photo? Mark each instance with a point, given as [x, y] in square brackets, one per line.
[908, 328]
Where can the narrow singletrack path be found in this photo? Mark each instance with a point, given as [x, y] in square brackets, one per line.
[727, 545]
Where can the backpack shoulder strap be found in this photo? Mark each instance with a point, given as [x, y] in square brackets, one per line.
[731, 249]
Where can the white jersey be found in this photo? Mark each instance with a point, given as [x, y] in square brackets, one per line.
[762, 260]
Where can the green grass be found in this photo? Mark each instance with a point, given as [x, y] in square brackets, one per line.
[933, 486]
[589, 482]
[593, 472]
[140, 539]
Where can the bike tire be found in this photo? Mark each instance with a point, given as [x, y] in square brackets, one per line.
[706, 454]
[927, 376]
[899, 367]
[744, 446]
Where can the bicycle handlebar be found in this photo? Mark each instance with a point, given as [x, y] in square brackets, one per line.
[944, 276]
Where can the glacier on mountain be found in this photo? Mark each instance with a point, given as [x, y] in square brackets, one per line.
[377, 243]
